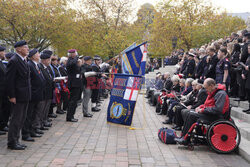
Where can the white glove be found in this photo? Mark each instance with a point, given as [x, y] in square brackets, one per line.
[89, 74]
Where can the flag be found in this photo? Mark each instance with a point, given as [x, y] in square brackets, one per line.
[126, 69]
[123, 98]
[134, 59]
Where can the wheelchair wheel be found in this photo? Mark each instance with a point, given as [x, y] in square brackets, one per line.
[223, 136]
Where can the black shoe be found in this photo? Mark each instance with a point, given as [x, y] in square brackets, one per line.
[22, 145]
[47, 124]
[88, 115]
[246, 110]
[167, 122]
[60, 112]
[72, 120]
[5, 129]
[49, 120]
[177, 128]
[38, 131]
[16, 147]
[95, 109]
[52, 115]
[28, 139]
[181, 140]
[44, 128]
[35, 135]
[2, 133]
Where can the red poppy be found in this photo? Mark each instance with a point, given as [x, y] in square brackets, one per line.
[224, 137]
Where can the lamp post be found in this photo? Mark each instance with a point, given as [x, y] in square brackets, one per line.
[174, 42]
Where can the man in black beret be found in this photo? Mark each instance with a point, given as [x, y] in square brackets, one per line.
[2, 90]
[95, 98]
[48, 88]
[74, 83]
[87, 72]
[32, 123]
[189, 72]
[19, 93]
[9, 55]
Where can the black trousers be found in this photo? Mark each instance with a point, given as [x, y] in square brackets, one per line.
[32, 120]
[191, 117]
[74, 96]
[65, 100]
[95, 95]
[46, 109]
[17, 119]
[4, 111]
[248, 96]
[178, 116]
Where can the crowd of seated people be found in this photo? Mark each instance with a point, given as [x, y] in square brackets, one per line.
[214, 72]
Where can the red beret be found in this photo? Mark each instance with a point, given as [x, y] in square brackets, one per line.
[72, 51]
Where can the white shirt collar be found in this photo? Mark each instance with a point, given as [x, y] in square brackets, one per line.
[20, 56]
[35, 63]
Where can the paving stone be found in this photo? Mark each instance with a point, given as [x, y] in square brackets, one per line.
[93, 142]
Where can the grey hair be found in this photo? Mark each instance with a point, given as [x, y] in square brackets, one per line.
[175, 78]
[63, 59]
[189, 81]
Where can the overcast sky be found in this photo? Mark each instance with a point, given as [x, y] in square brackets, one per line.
[232, 6]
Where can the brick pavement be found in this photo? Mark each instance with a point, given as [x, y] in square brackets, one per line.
[93, 142]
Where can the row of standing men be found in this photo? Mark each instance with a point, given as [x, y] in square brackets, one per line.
[32, 84]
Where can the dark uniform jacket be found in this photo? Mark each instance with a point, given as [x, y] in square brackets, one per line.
[3, 71]
[189, 71]
[168, 84]
[18, 79]
[222, 65]
[85, 68]
[37, 82]
[247, 73]
[49, 82]
[54, 71]
[63, 70]
[74, 73]
[201, 98]
[212, 67]
[97, 69]
[244, 53]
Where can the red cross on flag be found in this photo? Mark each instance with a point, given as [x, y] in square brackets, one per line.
[132, 89]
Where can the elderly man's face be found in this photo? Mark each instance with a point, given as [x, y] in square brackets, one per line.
[23, 50]
[2, 54]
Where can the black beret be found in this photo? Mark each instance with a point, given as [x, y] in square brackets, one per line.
[247, 34]
[45, 56]
[9, 55]
[86, 58]
[48, 52]
[200, 81]
[32, 52]
[96, 57]
[20, 43]
[2, 48]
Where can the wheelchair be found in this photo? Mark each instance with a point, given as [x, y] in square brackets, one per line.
[222, 135]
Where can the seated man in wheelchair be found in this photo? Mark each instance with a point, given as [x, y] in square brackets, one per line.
[215, 107]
